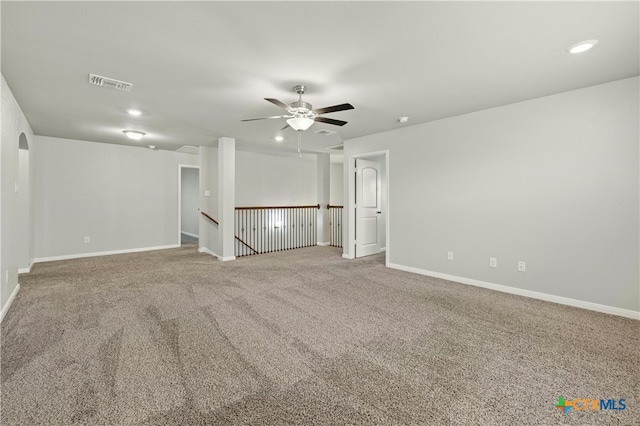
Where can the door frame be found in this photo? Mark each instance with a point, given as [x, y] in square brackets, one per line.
[180, 167]
[349, 232]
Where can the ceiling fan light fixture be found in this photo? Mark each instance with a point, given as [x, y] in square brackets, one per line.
[134, 134]
[300, 123]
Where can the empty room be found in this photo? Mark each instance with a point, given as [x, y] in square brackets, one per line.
[320, 212]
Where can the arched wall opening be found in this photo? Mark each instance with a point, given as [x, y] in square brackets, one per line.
[22, 142]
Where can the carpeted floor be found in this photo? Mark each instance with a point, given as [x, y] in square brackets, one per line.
[299, 337]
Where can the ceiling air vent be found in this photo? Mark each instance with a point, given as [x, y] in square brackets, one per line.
[99, 80]
[339, 147]
[325, 132]
[188, 149]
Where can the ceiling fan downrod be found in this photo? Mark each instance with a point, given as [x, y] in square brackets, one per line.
[301, 108]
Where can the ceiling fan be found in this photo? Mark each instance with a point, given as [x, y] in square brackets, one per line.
[301, 114]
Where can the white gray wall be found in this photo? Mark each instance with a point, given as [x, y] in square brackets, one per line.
[209, 203]
[189, 214]
[271, 180]
[335, 187]
[122, 197]
[13, 124]
[25, 225]
[552, 181]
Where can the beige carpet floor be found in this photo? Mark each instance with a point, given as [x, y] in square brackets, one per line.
[299, 337]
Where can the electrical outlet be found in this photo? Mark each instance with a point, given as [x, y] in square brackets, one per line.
[493, 262]
[449, 255]
[522, 266]
[6, 279]
[87, 240]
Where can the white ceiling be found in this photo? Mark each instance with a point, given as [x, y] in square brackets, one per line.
[198, 68]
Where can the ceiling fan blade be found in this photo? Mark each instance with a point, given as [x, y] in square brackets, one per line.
[277, 102]
[335, 108]
[330, 121]
[285, 127]
[265, 118]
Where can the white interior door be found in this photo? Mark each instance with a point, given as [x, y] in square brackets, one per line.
[368, 207]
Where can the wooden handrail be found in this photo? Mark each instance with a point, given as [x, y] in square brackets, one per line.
[216, 222]
[329, 206]
[247, 245]
[317, 206]
[210, 218]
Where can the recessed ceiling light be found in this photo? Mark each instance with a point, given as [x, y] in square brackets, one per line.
[583, 46]
[152, 147]
[403, 119]
[279, 138]
[134, 134]
[135, 112]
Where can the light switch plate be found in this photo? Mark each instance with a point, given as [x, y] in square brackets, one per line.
[207, 193]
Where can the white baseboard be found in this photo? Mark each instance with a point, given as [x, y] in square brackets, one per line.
[207, 251]
[7, 305]
[521, 292]
[190, 234]
[226, 259]
[347, 256]
[383, 249]
[324, 244]
[103, 253]
[26, 270]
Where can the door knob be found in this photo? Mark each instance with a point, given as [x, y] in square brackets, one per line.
[379, 212]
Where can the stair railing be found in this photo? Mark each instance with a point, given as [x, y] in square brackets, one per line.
[275, 228]
[238, 239]
[335, 225]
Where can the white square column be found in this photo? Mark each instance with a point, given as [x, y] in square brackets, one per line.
[226, 197]
[324, 184]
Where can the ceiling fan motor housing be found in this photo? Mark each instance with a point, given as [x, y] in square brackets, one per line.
[299, 107]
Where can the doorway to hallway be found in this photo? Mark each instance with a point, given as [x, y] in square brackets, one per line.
[189, 209]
